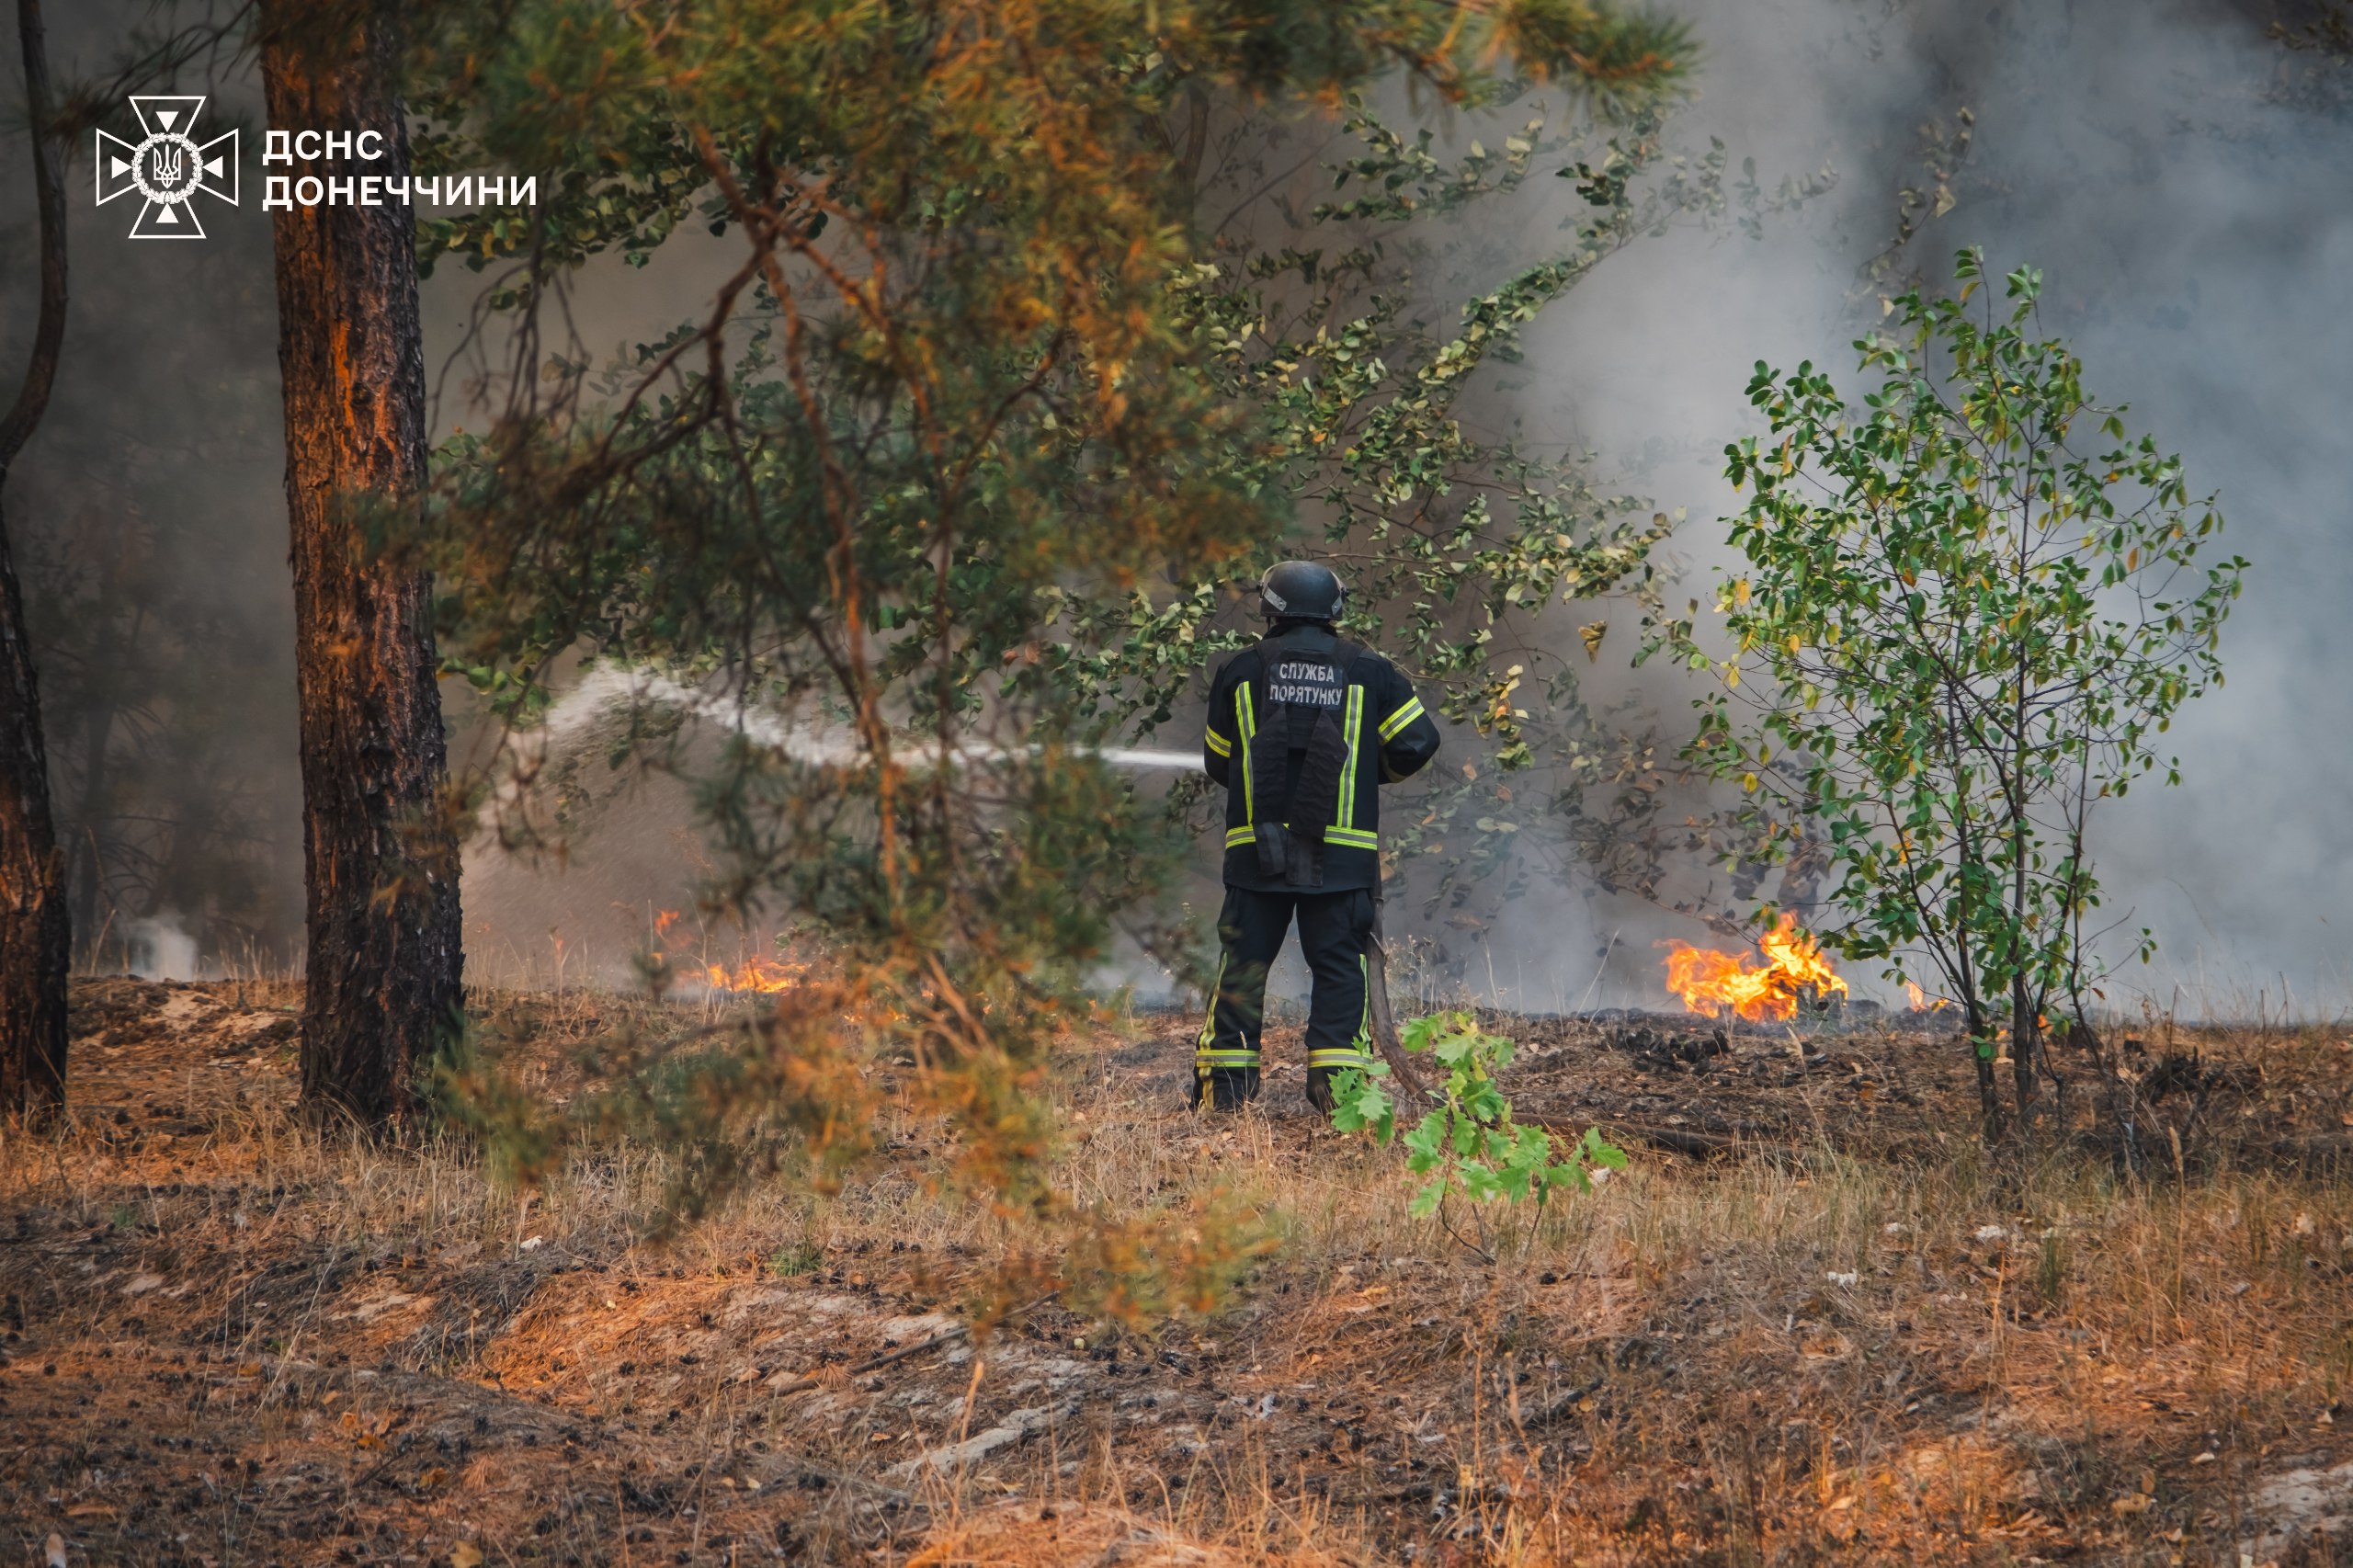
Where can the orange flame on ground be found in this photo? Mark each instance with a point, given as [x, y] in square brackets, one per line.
[761, 976]
[1923, 1003]
[753, 977]
[1709, 982]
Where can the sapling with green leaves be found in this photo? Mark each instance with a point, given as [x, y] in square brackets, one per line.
[1468, 1142]
[1966, 611]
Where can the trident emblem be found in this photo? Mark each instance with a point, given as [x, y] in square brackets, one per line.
[167, 168]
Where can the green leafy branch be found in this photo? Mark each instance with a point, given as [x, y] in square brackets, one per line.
[1469, 1142]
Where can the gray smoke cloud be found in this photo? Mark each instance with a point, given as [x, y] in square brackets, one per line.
[148, 521]
[2182, 182]
[2179, 177]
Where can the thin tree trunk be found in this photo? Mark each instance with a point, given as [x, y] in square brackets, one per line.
[2026, 1021]
[36, 942]
[1989, 1094]
[381, 858]
[1989, 1099]
[2025, 1042]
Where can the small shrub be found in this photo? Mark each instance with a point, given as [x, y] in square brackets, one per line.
[2051, 1267]
[1469, 1142]
[790, 1262]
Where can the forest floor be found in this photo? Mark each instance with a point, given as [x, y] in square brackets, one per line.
[1816, 1321]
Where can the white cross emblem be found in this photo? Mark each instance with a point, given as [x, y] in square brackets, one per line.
[168, 167]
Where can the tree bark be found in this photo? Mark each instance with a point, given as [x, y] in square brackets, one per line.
[2026, 1040]
[1981, 1050]
[36, 942]
[380, 862]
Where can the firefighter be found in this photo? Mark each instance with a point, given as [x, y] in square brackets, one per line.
[1303, 729]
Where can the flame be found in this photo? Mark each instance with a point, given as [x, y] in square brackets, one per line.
[759, 976]
[1923, 1003]
[753, 977]
[1711, 982]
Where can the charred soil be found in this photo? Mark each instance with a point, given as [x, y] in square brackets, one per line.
[1817, 1321]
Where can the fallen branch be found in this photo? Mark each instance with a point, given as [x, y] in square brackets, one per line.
[1678, 1140]
[1016, 1428]
[783, 1384]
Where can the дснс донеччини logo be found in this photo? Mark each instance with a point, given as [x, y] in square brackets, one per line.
[168, 167]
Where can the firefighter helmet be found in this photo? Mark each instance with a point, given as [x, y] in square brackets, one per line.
[1302, 590]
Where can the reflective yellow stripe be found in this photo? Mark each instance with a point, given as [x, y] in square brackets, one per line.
[1218, 743]
[1399, 720]
[1206, 1057]
[1363, 1042]
[1246, 725]
[1209, 1024]
[1357, 1053]
[1234, 836]
[1351, 732]
[1354, 837]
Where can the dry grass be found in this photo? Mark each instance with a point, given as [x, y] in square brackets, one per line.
[1863, 1337]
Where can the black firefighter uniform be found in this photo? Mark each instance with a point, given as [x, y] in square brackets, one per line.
[1303, 729]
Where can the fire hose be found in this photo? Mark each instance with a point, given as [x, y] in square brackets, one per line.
[836, 747]
[1384, 1022]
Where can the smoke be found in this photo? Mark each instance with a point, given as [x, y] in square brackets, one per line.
[148, 524]
[2180, 178]
[585, 855]
[2176, 175]
[159, 949]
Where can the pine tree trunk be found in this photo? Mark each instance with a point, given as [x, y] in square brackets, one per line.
[381, 859]
[35, 941]
[36, 944]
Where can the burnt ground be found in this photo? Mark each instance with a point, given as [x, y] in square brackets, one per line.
[1819, 1322]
